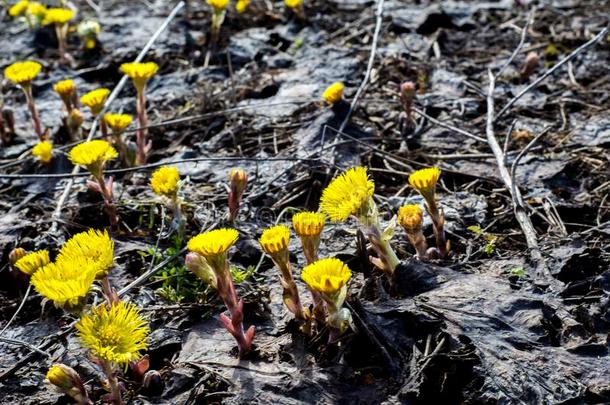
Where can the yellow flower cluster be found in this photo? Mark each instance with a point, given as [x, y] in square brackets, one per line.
[116, 335]
[118, 122]
[348, 194]
[140, 72]
[410, 217]
[59, 16]
[213, 243]
[92, 153]
[241, 6]
[424, 180]
[275, 240]
[43, 151]
[308, 223]
[326, 276]
[218, 5]
[65, 88]
[33, 261]
[164, 181]
[333, 93]
[95, 100]
[22, 73]
[95, 246]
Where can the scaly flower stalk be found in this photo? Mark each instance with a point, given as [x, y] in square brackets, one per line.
[95, 100]
[66, 380]
[165, 182]
[351, 194]
[22, 74]
[238, 180]
[411, 218]
[43, 151]
[424, 181]
[60, 18]
[140, 73]
[213, 246]
[274, 242]
[118, 123]
[329, 277]
[115, 335]
[407, 96]
[93, 155]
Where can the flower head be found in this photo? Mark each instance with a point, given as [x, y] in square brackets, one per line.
[59, 16]
[37, 10]
[66, 283]
[140, 72]
[241, 6]
[65, 88]
[308, 223]
[116, 335]
[43, 151]
[326, 276]
[411, 217]
[92, 154]
[218, 5]
[118, 122]
[93, 245]
[348, 194]
[18, 9]
[333, 93]
[22, 73]
[95, 100]
[164, 181]
[213, 243]
[424, 181]
[275, 240]
[33, 261]
[293, 3]
[62, 376]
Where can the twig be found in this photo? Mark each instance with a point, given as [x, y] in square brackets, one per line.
[528, 23]
[448, 126]
[552, 70]
[60, 203]
[25, 297]
[528, 147]
[24, 344]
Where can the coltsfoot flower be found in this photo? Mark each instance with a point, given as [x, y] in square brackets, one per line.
[117, 335]
[139, 72]
[213, 243]
[19, 9]
[92, 154]
[241, 6]
[59, 16]
[43, 151]
[274, 240]
[164, 181]
[308, 223]
[33, 261]
[93, 245]
[326, 276]
[411, 218]
[424, 181]
[22, 73]
[348, 194]
[67, 283]
[334, 92]
[218, 5]
[95, 100]
[66, 90]
[37, 11]
[118, 122]
[67, 381]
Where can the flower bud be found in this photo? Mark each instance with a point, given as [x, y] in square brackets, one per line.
[238, 179]
[529, 65]
[76, 118]
[200, 267]
[15, 255]
[152, 384]
[66, 380]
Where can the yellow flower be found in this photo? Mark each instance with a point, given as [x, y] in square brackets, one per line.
[65, 88]
[31, 262]
[275, 240]
[333, 93]
[19, 8]
[308, 223]
[348, 194]
[165, 180]
[424, 181]
[140, 72]
[93, 245]
[37, 10]
[326, 276]
[293, 3]
[241, 6]
[59, 16]
[213, 243]
[218, 5]
[22, 73]
[411, 217]
[92, 154]
[118, 122]
[66, 283]
[63, 377]
[116, 335]
[95, 100]
[43, 151]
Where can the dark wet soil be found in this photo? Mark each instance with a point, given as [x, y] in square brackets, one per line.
[480, 327]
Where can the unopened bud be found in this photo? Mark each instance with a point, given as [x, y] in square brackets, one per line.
[201, 268]
[152, 384]
[238, 179]
[66, 380]
[529, 65]
[407, 91]
[76, 118]
[15, 255]
[9, 119]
